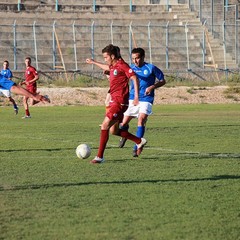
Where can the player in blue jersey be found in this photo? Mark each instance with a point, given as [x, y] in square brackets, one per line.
[6, 72]
[9, 85]
[150, 77]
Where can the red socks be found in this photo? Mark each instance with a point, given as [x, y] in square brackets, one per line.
[128, 135]
[103, 142]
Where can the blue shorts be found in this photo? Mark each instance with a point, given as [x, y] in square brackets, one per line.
[6, 83]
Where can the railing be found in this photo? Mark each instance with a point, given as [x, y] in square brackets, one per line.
[170, 46]
[222, 22]
[19, 5]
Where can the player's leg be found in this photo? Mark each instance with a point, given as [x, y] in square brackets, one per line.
[7, 94]
[123, 132]
[114, 115]
[142, 119]
[33, 90]
[26, 99]
[145, 109]
[114, 128]
[104, 136]
[139, 141]
[131, 112]
[22, 91]
[26, 107]
[15, 107]
[107, 107]
[124, 125]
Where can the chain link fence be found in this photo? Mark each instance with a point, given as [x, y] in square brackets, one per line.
[209, 44]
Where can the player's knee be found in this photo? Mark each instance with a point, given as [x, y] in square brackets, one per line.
[124, 127]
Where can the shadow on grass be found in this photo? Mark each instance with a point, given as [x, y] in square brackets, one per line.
[37, 149]
[180, 156]
[54, 185]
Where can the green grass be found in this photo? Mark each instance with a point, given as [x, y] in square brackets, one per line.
[185, 185]
[81, 80]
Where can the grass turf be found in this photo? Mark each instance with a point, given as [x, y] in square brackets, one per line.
[185, 185]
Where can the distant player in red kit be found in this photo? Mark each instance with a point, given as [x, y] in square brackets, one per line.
[31, 77]
[120, 73]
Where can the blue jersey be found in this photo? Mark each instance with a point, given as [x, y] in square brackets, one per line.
[5, 83]
[147, 75]
[6, 73]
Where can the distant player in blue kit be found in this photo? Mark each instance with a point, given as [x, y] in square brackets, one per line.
[7, 73]
[9, 85]
[150, 77]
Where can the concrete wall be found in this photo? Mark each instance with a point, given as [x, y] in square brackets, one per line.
[146, 19]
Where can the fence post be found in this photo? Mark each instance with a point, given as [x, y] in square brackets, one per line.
[54, 46]
[200, 10]
[35, 44]
[224, 44]
[14, 45]
[130, 42]
[19, 5]
[226, 4]
[167, 53]
[236, 33]
[238, 47]
[212, 18]
[74, 46]
[56, 6]
[130, 5]
[92, 42]
[111, 32]
[186, 33]
[204, 44]
[149, 42]
[94, 5]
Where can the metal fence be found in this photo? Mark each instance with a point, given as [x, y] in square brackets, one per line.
[171, 46]
[212, 43]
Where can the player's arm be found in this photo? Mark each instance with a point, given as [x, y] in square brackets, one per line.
[161, 81]
[36, 77]
[10, 75]
[103, 66]
[156, 85]
[136, 89]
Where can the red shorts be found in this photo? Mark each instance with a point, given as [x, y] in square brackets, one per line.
[116, 111]
[32, 89]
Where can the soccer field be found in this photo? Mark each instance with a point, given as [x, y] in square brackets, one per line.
[185, 185]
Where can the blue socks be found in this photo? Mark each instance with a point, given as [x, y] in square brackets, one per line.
[140, 133]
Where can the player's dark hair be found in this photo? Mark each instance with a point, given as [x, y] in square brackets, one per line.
[6, 61]
[118, 52]
[112, 50]
[140, 51]
[28, 58]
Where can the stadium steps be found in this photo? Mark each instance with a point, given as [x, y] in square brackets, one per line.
[179, 16]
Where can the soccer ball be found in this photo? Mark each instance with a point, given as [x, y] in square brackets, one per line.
[83, 151]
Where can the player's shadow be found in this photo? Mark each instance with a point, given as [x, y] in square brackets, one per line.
[179, 157]
[60, 185]
[186, 156]
[36, 149]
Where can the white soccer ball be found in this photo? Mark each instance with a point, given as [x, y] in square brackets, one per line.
[83, 151]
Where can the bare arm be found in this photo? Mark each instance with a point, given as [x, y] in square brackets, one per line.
[30, 82]
[103, 66]
[154, 86]
[136, 90]
[33, 80]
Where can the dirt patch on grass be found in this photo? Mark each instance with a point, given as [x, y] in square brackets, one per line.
[164, 95]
